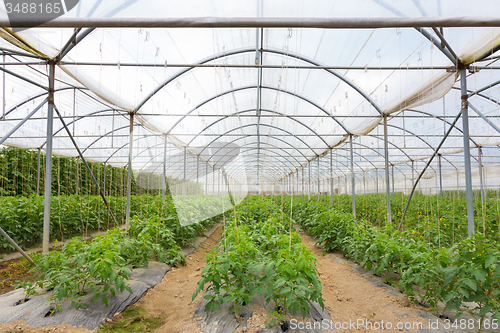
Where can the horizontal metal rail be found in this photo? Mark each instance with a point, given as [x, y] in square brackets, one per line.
[257, 22]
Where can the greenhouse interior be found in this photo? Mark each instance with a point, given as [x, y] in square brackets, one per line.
[258, 166]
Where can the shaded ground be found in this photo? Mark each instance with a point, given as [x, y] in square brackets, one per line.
[12, 270]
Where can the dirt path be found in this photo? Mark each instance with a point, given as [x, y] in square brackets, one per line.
[171, 299]
[350, 297]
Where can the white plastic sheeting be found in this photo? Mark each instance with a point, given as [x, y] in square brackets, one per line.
[277, 118]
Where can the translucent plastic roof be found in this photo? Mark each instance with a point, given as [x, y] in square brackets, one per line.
[257, 103]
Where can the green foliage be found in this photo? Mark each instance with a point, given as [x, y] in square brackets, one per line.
[260, 253]
[468, 271]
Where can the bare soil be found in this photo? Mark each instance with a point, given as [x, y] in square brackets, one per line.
[12, 270]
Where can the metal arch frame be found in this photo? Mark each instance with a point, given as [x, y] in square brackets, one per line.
[252, 110]
[112, 131]
[377, 137]
[125, 145]
[430, 146]
[273, 147]
[85, 116]
[246, 50]
[12, 109]
[252, 135]
[254, 87]
[240, 138]
[248, 125]
[436, 117]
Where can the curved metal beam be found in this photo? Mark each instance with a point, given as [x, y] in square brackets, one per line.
[248, 125]
[112, 131]
[30, 99]
[253, 110]
[255, 87]
[246, 50]
[79, 118]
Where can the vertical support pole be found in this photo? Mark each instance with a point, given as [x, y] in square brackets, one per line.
[213, 180]
[77, 181]
[104, 180]
[48, 159]
[164, 174]
[197, 176]
[440, 178]
[206, 179]
[412, 174]
[302, 182]
[38, 174]
[364, 182]
[3, 87]
[387, 181]
[467, 164]
[184, 177]
[319, 189]
[376, 180]
[479, 153]
[331, 176]
[353, 180]
[392, 174]
[309, 182]
[129, 177]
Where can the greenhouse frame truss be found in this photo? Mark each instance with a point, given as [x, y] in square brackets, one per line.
[239, 127]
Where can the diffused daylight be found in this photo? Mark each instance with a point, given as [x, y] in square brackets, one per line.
[249, 166]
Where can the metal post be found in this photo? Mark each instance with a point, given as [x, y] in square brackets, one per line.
[364, 182]
[213, 180]
[479, 153]
[206, 179]
[392, 174]
[387, 188]
[164, 175]
[331, 176]
[440, 178]
[412, 174]
[197, 175]
[38, 173]
[77, 180]
[376, 179]
[48, 160]
[184, 178]
[319, 189]
[104, 180]
[3, 93]
[129, 178]
[309, 182]
[353, 181]
[467, 165]
[302, 182]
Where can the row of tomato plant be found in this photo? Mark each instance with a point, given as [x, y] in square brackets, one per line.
[100, 267]
[468, 271]
[22, 217]
[261, 253]
[441, 222]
